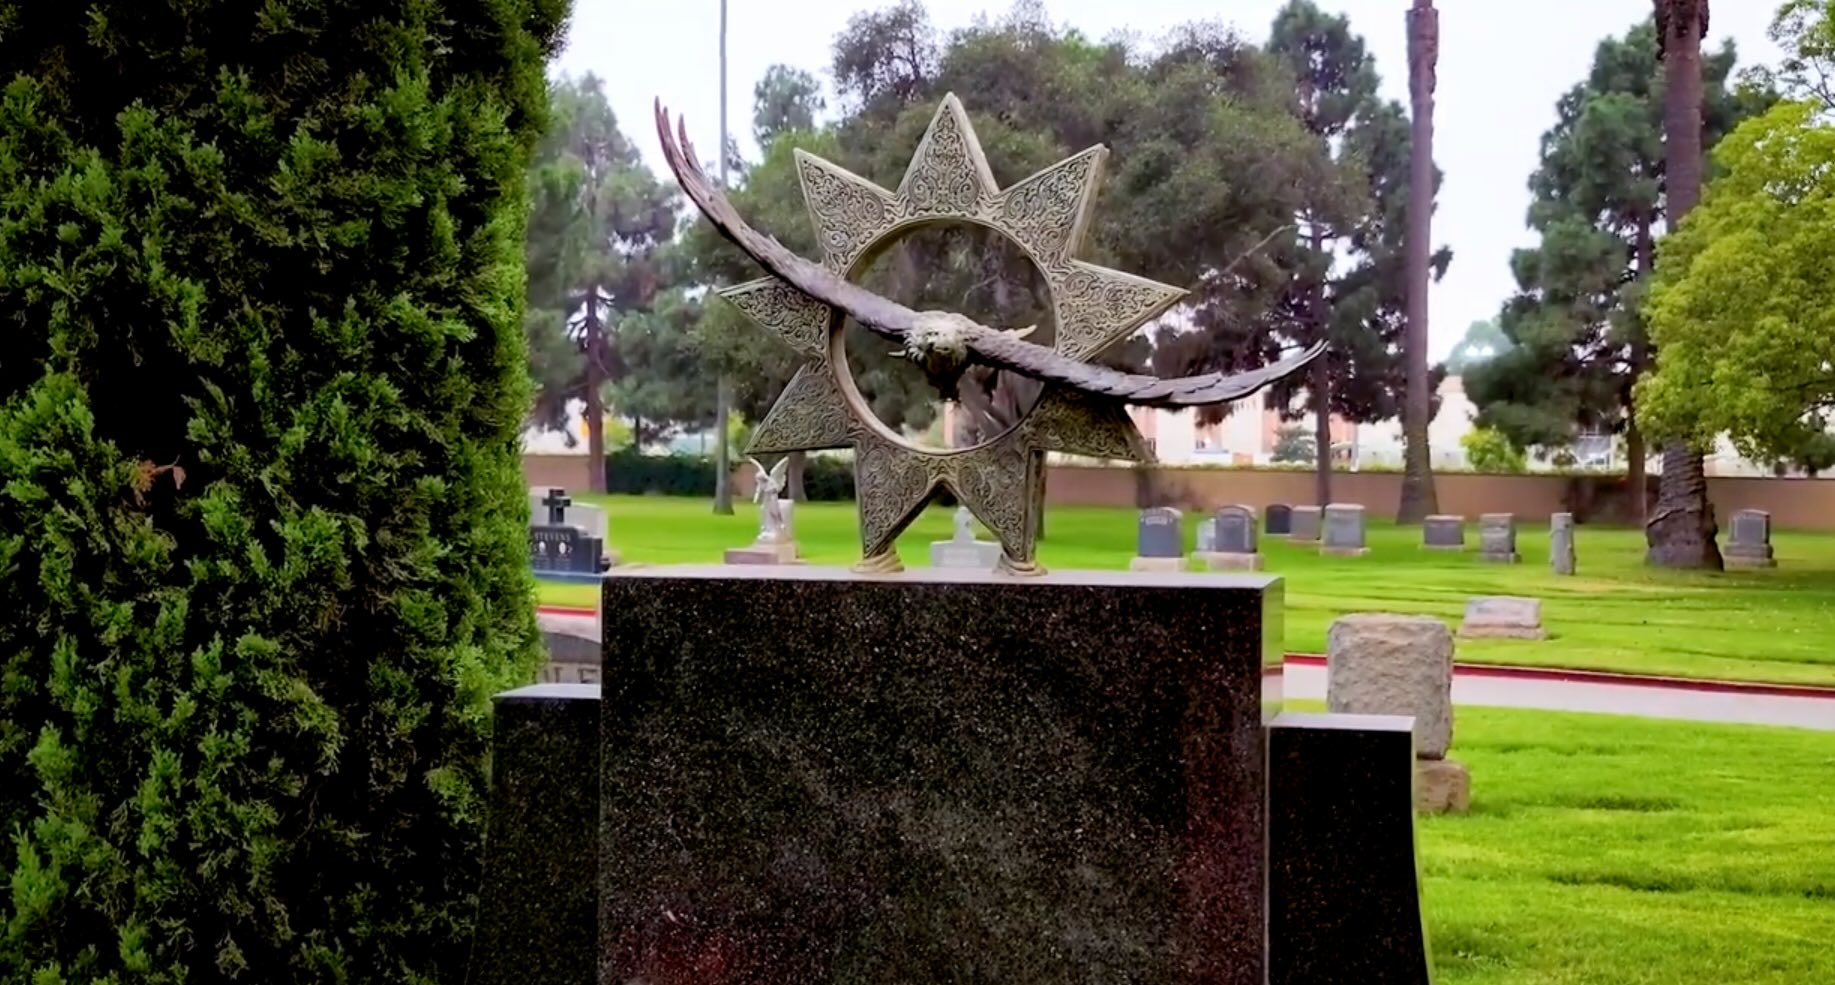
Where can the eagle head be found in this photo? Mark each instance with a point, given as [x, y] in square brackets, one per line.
[938, 342]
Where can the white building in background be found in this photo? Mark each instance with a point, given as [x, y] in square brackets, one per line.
[1249, 435]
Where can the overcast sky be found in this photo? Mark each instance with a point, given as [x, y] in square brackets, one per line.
[1501, 70]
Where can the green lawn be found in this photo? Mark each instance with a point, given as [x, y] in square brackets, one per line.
[1776, 626]
[1625, 851]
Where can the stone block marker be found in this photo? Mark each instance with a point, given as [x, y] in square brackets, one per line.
[1497, 538]
[1561, 543]
[1384, 664]
[1443, 533]
[1506, 617]
[1750, 545]
[1344, 531]
[1305, 524]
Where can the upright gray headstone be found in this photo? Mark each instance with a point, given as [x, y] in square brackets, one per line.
[1160, 541]
[1161, 533]
[1750, 546]
[1306, 523]
[1236, 530]
[1233, 546]
[1561, 543]
[1344, 530]
[1279, 520]
[1443, 533]
[1497, 538]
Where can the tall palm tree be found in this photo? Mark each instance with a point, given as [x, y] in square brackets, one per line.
[723, 390]
[1681, 531]
[1418, 498]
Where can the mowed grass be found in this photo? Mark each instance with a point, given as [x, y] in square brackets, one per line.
[1627, 851]
[1775, 625]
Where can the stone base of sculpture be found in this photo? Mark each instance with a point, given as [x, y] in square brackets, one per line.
[782, 552]
[1229, 561]
[1159, 564]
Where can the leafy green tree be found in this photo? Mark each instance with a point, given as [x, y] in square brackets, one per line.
[786, 99]
[1488, 450]
[1743, 307]
[1292, 444]
[600, 228]
[262, 542]
[1805, 30]
[1576, 340]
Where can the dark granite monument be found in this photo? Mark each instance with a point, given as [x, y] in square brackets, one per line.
[1279, 520]
[564, 550]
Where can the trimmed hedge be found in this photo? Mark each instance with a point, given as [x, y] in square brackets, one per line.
[634, 473]
[262, 519]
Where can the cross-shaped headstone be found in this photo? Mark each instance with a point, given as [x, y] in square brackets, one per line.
[557, 502]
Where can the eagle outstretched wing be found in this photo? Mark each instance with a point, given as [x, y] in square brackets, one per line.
[988, 346]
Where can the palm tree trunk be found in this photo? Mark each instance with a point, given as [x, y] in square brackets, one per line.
[1681, 532]
[723, 389]
[595, 393]
[1637, 497]
[1418, 497]
[1321, 382]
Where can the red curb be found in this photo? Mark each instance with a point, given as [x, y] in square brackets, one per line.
[1819, 692]
[1571, 675]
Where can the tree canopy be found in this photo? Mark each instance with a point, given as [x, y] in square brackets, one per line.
[1743, 307]
[1573, 327]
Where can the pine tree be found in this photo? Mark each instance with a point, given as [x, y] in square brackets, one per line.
[261, 531]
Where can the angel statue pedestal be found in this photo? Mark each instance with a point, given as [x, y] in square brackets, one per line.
[991, 777]
[776, 543]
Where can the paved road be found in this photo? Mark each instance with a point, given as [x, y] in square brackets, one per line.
[1308, 682]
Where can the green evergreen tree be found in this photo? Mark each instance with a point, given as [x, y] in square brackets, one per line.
[261, 516]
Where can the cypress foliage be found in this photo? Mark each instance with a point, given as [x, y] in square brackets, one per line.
[261, 545]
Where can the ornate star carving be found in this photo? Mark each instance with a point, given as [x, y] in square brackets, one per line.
[1001, 481]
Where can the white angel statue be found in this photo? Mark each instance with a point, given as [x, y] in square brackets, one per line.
[772, 528]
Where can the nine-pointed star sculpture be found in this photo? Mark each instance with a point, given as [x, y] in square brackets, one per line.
[1082, 409]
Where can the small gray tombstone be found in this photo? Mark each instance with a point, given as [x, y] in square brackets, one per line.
[964, 549]
[1280, 520]
[1503, 617]
[1207, 535]
[1344, 531]
[1750, 546]
[1160, 540]
[1497, 538]
[1561, 543]
[1443, 532]
[1233, 546]
[1305, 524]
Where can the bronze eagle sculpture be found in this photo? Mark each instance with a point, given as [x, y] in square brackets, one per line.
[943, 343]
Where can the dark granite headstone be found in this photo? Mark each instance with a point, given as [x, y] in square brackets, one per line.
[812, 776]
[1236, 530]
[538, 921]
[1161, 533]
[1344, 886]
[1279, 520]
[560, 547]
